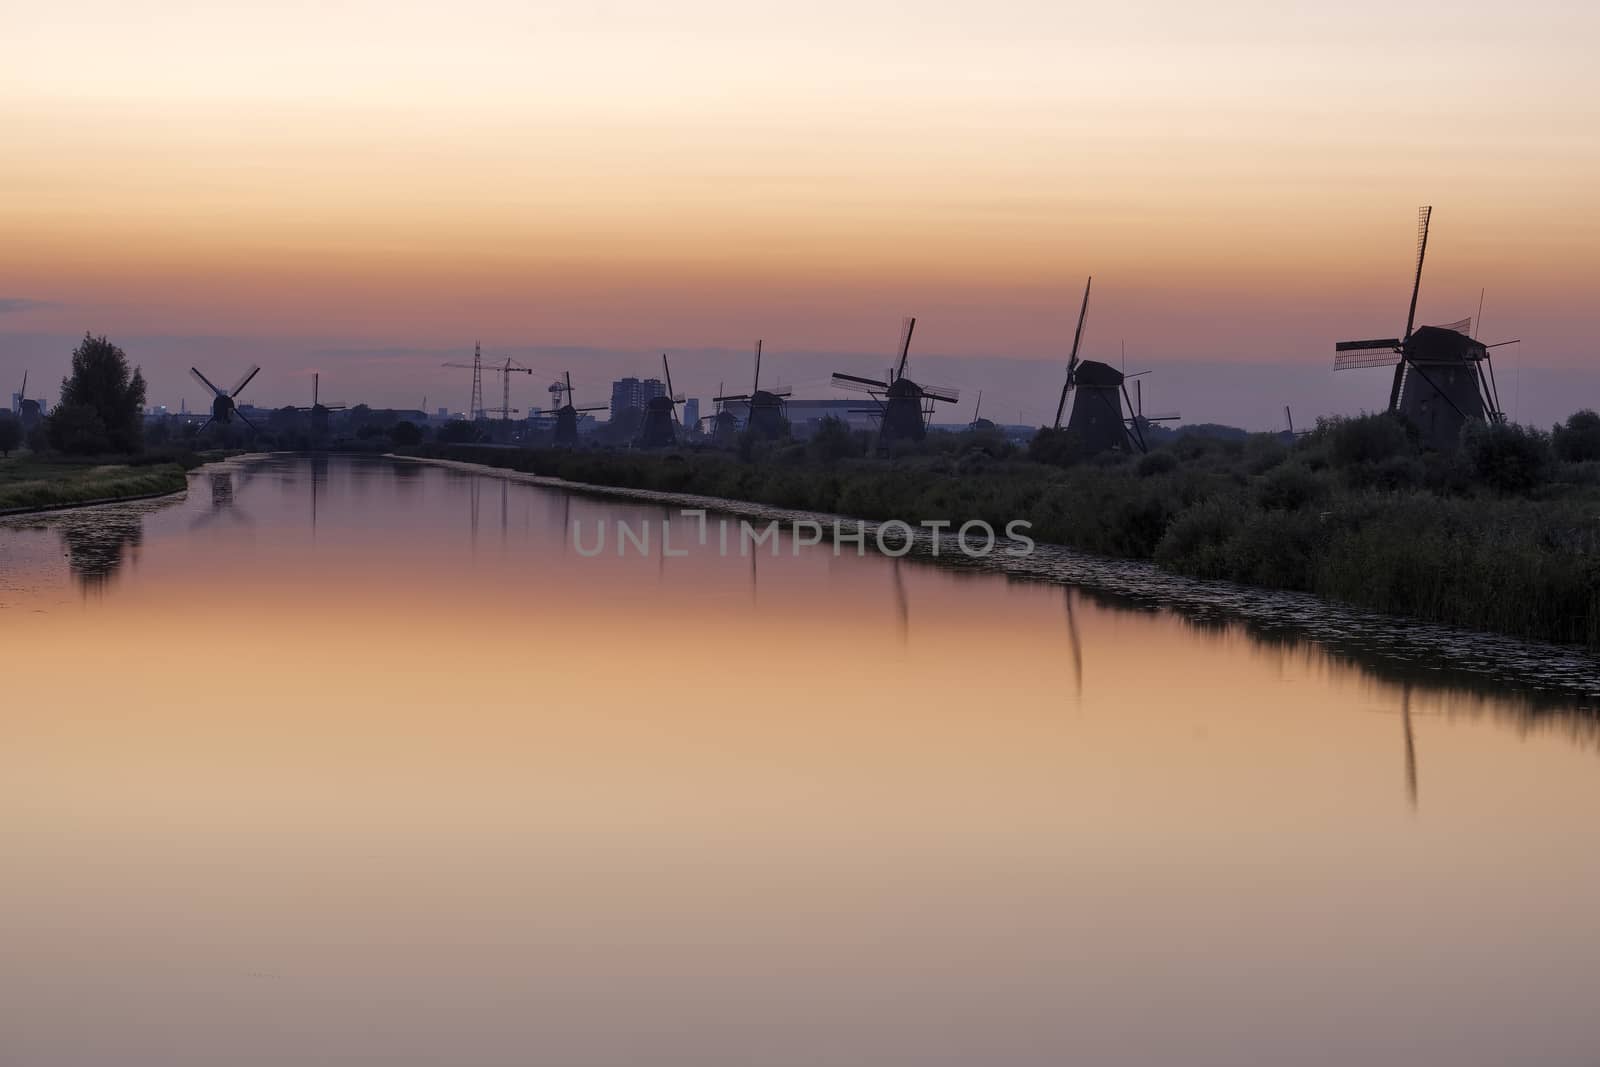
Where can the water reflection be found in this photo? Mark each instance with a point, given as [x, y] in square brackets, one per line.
[604, 805]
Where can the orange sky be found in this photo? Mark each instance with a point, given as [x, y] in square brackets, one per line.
[1241, 180]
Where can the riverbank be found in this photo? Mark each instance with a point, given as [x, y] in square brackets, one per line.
[1274, 516]
[29, 484]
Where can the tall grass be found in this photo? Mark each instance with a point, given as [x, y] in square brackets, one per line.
[1498, 536]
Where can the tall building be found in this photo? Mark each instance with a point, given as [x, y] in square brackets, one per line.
[691, 412]
[633, 393]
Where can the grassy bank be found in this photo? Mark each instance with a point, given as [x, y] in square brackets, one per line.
[28, 483]
[1486, 539]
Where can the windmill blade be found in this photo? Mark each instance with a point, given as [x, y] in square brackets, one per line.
[248, 375]
[594, 407]
[1166, 416]
[1374, 357]
[782, 390]
[1072, 360]
[1424, 216]
[855, 382]
[1387, 343]
[1459, 326]
[203, 425]
[757, 384]
[906, 329]
[736, 398]
[940, 392]
[203, 380]
[246, 421]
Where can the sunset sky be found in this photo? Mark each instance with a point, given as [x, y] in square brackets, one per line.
[366, 188]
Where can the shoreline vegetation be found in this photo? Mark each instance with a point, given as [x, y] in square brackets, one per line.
[1499, 535]
[31, 484]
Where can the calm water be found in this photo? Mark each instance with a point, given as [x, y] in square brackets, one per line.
[357, 762]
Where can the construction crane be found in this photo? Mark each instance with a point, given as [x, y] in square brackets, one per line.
[505, 370]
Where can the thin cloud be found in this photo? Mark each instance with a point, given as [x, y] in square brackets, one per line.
[21, 303]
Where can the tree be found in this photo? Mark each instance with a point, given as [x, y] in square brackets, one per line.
[78, 430]
[457, 432]
[100, 383]
[1579, 439]
[10, 433]
[405, 433]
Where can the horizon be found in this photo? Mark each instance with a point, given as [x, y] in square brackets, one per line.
[624, 182]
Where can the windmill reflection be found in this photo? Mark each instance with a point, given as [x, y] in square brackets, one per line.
[902, 605]
[1411, 746]
[1069, 594]
[223, 506]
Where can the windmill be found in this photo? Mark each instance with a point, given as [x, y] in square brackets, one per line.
[567, 414]
[28, 411]
[977, 422]
[223, 404]
[1140, 421]
[1443, 376]
[724, 426]
[903, 406]
[767, 408]
[1098, 392]
[318, 410]
[660, 426]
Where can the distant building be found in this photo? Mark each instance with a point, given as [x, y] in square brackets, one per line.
[634, 393]
[442, 414]
[691, 413]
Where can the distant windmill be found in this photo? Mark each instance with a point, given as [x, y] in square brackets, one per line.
[659, 429]
[1443, 377]
[567, 414]
[724, 426]
[903, 406]
[318, 410]
[979, 423]
[768, 408]
[1140, 421]
[224, 405]
[29, 411]
[1097, 392]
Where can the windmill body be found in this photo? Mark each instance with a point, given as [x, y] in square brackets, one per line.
[1097, 417]
[1438, 385]
[659, 427]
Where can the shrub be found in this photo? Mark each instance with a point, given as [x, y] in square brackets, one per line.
[10, 433]
[1156, 463]
[1059, 448]
[405, 433]
[834, 441]
[1364, 439]
[1579, 439]
[1506, 457]
[1290, 487]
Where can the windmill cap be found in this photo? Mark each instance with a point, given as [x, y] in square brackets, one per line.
[1093, 373]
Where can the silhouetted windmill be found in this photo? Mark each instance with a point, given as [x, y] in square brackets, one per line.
[768, 408]
[1442, 375]
[568, 414]
[28, 411]
[659, 429]
[724, 426]
[1097, 392]
[979, 423]
[1141, 421]
[224, 406]
[318, 410]
[903, 407]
